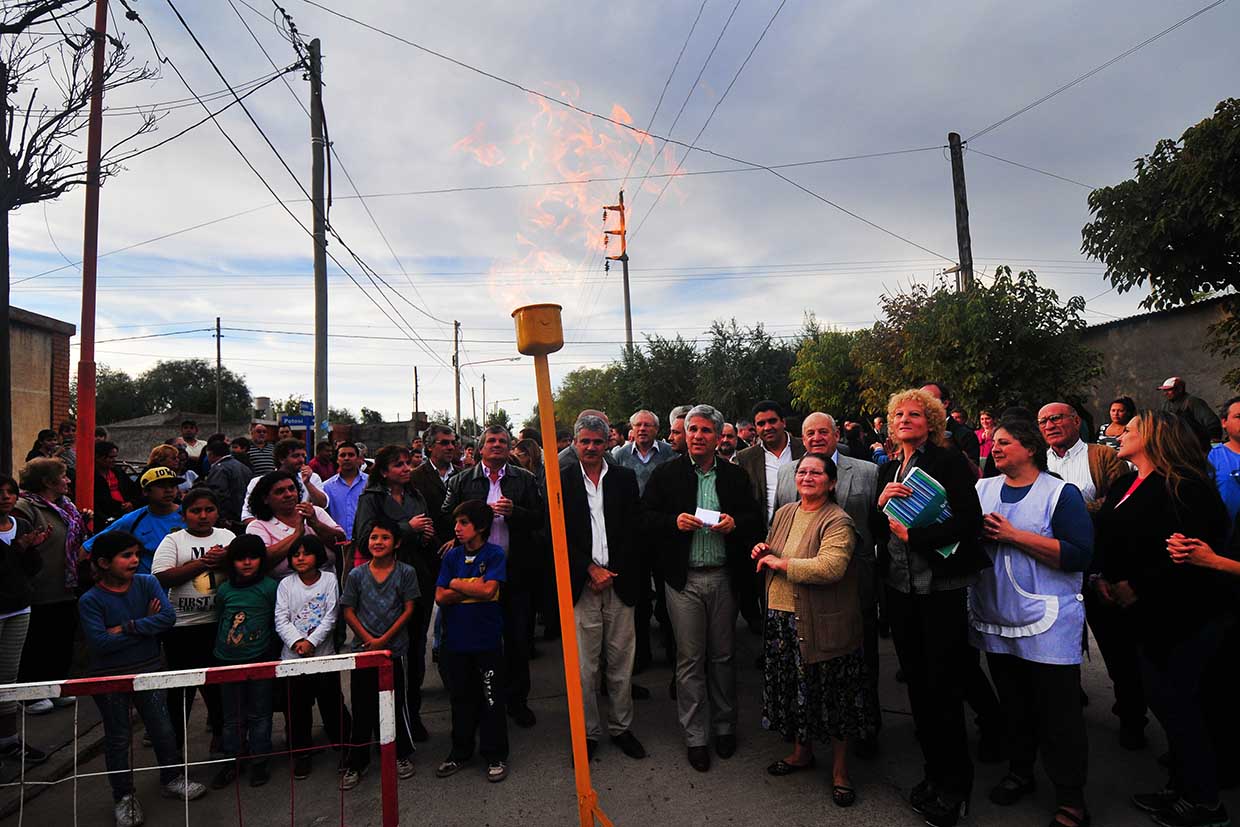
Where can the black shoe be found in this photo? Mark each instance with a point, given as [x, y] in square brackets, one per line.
[260, 773]
[945, 812]
[417, 730]
[1155, 802]
[639, 693]
[226, 776]
[921, 794]
[990, 749]
[522, 715]
[725, 745]
[1012, 789]
[302, 765]
[1131, 738]
[699, 758]
[1184, 813]
[865, 748]
[629, 745]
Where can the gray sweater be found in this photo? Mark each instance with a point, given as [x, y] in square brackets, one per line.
[626, 456]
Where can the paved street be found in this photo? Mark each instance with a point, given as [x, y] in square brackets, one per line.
[659, 790]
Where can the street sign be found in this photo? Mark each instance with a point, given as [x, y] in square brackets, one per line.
[305, 407]
[301, 421]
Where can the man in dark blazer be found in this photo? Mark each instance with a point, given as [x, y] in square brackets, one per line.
[703, 513]
[431, 477]
[601, 514]
[515, 498]
[774, 449]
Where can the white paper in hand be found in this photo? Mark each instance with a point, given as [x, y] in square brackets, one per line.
[709, 518]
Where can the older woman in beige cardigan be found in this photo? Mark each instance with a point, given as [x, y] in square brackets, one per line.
[815, 687]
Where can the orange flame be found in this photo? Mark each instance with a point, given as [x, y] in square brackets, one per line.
[487, 154]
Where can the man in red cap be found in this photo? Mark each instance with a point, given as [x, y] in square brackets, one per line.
[1176, 400]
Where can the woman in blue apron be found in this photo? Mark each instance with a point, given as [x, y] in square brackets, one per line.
[1027, 614]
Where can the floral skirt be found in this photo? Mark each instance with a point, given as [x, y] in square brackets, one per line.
[813, 701]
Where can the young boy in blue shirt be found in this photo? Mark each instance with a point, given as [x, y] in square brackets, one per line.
[123, 615]
[471, 652]
[154, 521]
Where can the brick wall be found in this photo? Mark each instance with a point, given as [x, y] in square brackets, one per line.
[60, 379]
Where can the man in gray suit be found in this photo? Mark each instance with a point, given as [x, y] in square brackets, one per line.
[856, 492]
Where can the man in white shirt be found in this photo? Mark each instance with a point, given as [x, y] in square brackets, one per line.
[601, 513]
[193, 445]
[290, 456]
[1091, 468]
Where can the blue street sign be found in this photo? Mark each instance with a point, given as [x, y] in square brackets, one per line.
[305, 407]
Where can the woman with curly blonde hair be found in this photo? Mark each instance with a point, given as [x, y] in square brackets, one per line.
[926, 597]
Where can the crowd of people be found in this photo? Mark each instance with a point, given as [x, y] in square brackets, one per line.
[1003, 540]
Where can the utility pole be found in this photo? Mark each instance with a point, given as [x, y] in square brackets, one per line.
[6, 355]
[84, 488]
[456, 369]
[219, 382]
[318, 152]
[964, 276]
[473, 403]
[415, 396]
[623, 258]
[484, 397]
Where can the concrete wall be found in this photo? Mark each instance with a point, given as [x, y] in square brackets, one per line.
[134, 442]
[1139, 352]
[40, 365]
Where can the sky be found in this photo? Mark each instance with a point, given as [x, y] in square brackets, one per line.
[460, 220]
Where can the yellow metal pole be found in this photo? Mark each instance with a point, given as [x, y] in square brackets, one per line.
[539, 333]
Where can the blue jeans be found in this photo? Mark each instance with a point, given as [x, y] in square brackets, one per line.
[153, 707]
[248, 701]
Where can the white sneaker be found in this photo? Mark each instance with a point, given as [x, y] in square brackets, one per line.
[350, 779]
[182, 788]
[128, 812]
[67, 700]
[404, 768]
[40, 707]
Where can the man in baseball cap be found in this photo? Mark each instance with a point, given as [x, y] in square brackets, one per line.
[154, 521]
[1176, 400]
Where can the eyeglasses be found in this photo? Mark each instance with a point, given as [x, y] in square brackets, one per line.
[1053, 418]
[445, 442]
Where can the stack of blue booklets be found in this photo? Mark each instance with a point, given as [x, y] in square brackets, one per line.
[927, 505]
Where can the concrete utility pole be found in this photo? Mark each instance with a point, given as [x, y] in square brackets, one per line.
[473, 403]
[964, 276]
[484, 398]
[415, 396]
[318, 153]
[219, 383]
[456, 368]
[623, 258]
[84, 487]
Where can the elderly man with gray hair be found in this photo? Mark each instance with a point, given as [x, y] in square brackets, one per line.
[707, 519]
[602, 514]
[676, 427]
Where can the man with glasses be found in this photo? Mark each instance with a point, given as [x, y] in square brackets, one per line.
[1226, 457]
[1091, 468]
[431, 477]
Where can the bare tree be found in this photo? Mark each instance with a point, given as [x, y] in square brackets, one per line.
[45, 89]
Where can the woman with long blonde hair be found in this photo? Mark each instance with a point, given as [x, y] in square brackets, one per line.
[1176, 611]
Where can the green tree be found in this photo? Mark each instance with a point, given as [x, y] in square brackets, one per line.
[586, 388]
[1010, 342]
[499, 417]
[440, 417]
[341, 416]
[370, 417]
[741, 366]
[116, 396]
[825, 377]
[1176, 224]
[189, 385]
[659, 376]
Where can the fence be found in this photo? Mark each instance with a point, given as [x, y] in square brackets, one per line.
[214, 676]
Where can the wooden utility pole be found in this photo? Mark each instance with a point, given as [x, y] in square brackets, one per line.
[84, 488]
[219, 381]
[318, 152]
[623, 258]
[456, 369]
[415, 397]
[473, 403]
[484, 398]
[964, 276]
[6, 355]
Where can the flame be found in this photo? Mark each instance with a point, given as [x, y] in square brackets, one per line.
[560, 226]
[487, 154]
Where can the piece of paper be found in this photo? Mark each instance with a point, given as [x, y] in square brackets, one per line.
[709, 518]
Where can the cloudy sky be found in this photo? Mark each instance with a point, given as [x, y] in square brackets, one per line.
[827, 81]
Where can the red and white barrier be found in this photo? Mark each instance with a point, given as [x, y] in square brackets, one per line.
[213, 675]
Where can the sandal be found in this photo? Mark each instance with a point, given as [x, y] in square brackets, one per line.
[782, 767]
[1071, 818]
[448, 768]
[843, 796]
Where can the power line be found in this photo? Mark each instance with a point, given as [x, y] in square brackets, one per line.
[1032, 169]
[254, 169]
[1091, 72]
